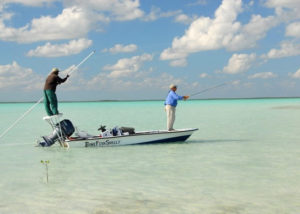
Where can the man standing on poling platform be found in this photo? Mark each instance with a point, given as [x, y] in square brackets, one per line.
[170, 106]
[50, 99]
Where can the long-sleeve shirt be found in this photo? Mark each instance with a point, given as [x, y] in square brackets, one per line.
[172, 98]
[52, 81]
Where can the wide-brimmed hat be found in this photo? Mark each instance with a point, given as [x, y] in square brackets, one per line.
[55, 70]
[173, 86]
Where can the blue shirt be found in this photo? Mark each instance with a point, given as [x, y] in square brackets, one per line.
[172, 98]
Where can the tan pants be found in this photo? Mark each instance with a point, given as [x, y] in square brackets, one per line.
[170, 116]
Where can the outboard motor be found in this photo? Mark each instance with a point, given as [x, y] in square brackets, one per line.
[62, 130]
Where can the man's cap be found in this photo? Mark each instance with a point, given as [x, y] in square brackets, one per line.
[173, 86]
[55, 70]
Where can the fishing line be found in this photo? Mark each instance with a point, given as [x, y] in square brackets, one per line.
[42, 98]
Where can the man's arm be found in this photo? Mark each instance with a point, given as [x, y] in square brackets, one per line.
[186, 97]
[60, 80]
[176, 96]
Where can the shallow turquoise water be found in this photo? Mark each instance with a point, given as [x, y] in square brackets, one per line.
[245, 158]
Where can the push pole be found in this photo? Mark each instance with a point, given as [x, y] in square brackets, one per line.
[42, 98]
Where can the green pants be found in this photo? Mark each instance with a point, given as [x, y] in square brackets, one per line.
[50, 101]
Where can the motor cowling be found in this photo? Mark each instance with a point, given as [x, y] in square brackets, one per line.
[66, 127]
[62, 129]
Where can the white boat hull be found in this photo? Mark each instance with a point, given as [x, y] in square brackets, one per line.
[145, 137]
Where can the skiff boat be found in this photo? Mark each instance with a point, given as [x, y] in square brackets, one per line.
[63, 131]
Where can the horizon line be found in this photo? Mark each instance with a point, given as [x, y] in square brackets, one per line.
[143, 100]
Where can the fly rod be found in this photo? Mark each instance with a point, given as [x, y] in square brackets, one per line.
[211, 88]
[42, 98]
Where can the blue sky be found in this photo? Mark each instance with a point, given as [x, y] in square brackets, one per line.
[143, 46]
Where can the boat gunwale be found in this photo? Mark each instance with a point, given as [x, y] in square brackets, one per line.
[133, 135]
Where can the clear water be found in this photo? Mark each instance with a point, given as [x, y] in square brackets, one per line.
[245, 158]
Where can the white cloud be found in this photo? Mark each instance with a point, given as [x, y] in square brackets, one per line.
[250, 33]
[135, 83]
[185, 19]
[286, 10]
[179, 63]
[120, 10]
[89, 15]
[239, 63]
[295, 75]
[64, 26]
[286, 49]
[162, 81]
[13, 76]
[86, 14]
[283, 3]
[223, 31]
[35, 3]
[156, 13]
[127, 66]
[262, 75]
[251, 3]
[205, 33]
[119, 48]
[203, 75]
[198, 2]
[293, 30]
[236, 82]
[50, 50]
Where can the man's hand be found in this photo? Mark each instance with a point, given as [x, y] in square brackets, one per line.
[186, 97]
[68, 76]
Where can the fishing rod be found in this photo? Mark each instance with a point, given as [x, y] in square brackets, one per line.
[42, 98]
[211, 88]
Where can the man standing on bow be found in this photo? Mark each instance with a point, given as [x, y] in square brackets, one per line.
[50, 99]
[170, 106]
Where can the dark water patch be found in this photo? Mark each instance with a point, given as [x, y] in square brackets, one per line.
[230, 209]
[132, 206]
[289, 107]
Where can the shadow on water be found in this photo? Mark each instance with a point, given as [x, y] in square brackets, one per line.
[218, 141]
[195, 141]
